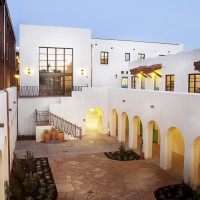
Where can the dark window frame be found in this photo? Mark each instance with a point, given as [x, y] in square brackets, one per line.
[189, 83]
[139, 56]
[104, 55]
[133, 82]
[171, 82]
[129, 56]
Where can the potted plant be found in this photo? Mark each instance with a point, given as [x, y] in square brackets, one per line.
[47, 136]
[53, 133]
[61, 135]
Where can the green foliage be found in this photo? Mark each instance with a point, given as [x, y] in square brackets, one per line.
[18, 168]
[46, 131]
[197, 193]
[60, 130]
[7, 189]
[30, 182]
[29, 198]
[16, 191]
[122, 150]
[29, 163]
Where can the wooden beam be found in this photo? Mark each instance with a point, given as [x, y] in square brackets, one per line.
[157, 74]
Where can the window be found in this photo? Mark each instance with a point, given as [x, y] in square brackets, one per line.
[141, 56]
[55, 60]
[169, 86]
[133, 82]
[104, 57]
[122, 72]
[124, 82]
[126, 72]
[142, 82]
[194, 83]
[127, 56]
[56, 67]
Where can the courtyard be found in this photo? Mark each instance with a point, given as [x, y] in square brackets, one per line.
[82, 171]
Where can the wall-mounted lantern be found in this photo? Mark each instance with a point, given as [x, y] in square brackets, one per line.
[29, 71]
[82, 72]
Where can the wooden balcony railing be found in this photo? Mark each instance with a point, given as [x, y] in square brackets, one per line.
[39, 91]
[44, 118]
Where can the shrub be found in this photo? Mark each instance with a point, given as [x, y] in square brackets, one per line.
[30, 182]
[29, 162]
[122, 150]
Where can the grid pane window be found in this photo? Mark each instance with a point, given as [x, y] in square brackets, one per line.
[169, 83]
[127, 56]
[133, 82]
[194, 83]
[141, 56]
[55, 60]
[56, 71]
[104, 57]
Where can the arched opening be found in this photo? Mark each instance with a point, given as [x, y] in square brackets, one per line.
[154, 141]
[174, 151]
[125, 128]
[6, 168]
[94, 121]
[1, 178]
[195, 163]
[137, 133]
[114, 123]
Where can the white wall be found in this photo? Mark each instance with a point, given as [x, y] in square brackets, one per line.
[11, 126]
[180, 65]
[104, 74]
[75, 108]
[27, 113]
[33, 37]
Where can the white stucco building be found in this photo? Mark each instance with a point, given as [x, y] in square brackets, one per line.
[140, 91]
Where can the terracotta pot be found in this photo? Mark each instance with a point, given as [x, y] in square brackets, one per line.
[47, 137]
[53, 134]
[61, 137]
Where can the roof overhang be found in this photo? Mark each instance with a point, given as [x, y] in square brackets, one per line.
[146, 70]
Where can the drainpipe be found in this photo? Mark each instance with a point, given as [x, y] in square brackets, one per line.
[91, 64]
[8, 125]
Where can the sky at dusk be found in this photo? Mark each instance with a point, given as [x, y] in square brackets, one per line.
[171, 21]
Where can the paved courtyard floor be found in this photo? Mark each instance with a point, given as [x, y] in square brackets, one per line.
[81, 170]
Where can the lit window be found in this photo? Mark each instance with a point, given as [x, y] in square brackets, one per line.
[127, 56]
[142, 82]
[104, 57]
[141, 56]
[194, 83]
[169, 86]
[124, 82]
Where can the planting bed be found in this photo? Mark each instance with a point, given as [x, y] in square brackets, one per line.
[176, 192]
[31, 179]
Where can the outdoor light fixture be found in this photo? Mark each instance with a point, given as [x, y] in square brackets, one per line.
[115, 75]
[152, 74]
[29, 71]
[82, 72]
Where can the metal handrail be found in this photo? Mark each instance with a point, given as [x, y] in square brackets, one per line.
[37, 91]
[47, 118]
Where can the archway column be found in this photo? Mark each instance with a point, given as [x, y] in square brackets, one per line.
[134, 129]
[163, 153]
[120, 130]
[187, 163]
[131, 136]
[147, 140]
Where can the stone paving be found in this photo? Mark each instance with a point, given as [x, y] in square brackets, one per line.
[81, 171]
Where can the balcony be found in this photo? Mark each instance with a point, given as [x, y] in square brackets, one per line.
[47, 91]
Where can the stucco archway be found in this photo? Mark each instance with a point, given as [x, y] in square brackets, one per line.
[125, 128]
[153, 138]
[94, 121]
[137, 132]
[174, 151]
[114, 129]
[195, 163]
